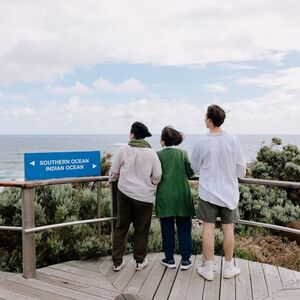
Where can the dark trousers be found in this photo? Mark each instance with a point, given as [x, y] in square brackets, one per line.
[184, 232]
[139, 214]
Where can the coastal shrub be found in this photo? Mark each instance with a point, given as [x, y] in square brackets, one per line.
[267, 205]
[277, 161]
[55, 204]
[271, 204]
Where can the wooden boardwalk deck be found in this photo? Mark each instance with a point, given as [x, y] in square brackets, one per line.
[96, 280]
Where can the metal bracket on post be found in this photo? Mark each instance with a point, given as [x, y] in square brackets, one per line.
[28, 239]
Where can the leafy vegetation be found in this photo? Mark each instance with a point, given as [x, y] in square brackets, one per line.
[64, 203]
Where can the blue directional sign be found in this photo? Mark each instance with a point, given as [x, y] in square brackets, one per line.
[61, 164]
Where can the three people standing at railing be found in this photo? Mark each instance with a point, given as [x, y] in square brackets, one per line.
[218, 158]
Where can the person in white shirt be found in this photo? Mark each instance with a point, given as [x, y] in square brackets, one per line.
[219, 159]
[138, 170]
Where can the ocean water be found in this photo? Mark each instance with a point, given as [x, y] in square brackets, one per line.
[13, 147]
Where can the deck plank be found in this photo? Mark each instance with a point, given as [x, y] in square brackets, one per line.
[181, 283]
[90, 265]
[150, 285]
[9, 295]
[273, 280]
[82, 284]
[86, 273]
[285, 294]
[196, 285]
[296, 285]
[287, 277]
[242, 281]
[34, 293]
[125, 276]
[59, 290]
[258, 283]
[88, 280]
[167, 281]
[227, 286]
[134, 285]
[212, 288]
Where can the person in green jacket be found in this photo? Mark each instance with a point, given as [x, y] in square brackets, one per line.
[174, 200]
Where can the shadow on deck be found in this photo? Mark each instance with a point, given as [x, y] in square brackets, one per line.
[96, 280]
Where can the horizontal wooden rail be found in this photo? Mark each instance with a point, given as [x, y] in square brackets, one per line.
[59, 225]
[13, 228]
[270, 226]
[33, 184]
[283, 184]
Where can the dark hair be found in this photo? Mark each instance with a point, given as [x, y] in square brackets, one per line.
[139, 130]
[216, 114]
[171, 136]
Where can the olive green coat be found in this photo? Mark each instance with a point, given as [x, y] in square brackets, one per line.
[173, 196]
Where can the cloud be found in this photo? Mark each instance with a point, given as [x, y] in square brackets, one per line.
[77, 88]
[48, 40]
[17, 97]
[274, 113]
[236, 66]
[130, 85]
[287, 79]
[215, 88]
[15, 114]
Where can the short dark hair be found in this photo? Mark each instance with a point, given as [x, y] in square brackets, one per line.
[216, 114]
[139, 130]
[171, 136]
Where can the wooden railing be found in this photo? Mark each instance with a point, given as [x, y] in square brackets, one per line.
[28, 219]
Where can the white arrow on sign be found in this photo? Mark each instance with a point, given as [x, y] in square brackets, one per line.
[32, 163]
[94, 166]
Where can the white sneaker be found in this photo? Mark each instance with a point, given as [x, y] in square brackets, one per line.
[119, 267]
[202, 264]
[141, 266]
[229, 273]
[208, 275]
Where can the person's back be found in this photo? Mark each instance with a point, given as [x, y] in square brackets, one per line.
[219, 159]
[174, 183]
[136, 173]
[173, 199]
[138, 169]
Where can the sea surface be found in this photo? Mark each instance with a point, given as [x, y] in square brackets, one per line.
[13, 147]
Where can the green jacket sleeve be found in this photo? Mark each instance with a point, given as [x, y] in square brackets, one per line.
[188, 170]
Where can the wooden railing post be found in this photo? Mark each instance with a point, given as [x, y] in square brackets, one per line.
[99, 184]
[113, 193]
[28, 240]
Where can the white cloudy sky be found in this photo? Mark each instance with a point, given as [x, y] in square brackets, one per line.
[90, 66]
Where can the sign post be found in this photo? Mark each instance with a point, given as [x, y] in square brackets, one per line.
[39, 166]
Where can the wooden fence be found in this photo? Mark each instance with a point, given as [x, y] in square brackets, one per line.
[28, 219]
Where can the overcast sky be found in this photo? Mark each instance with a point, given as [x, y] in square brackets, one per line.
[92, 67]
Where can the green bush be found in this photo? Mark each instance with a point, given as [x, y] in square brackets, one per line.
[271, 204]
[55, 204]
[65, 203]
[277, 162]
[267, 204]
